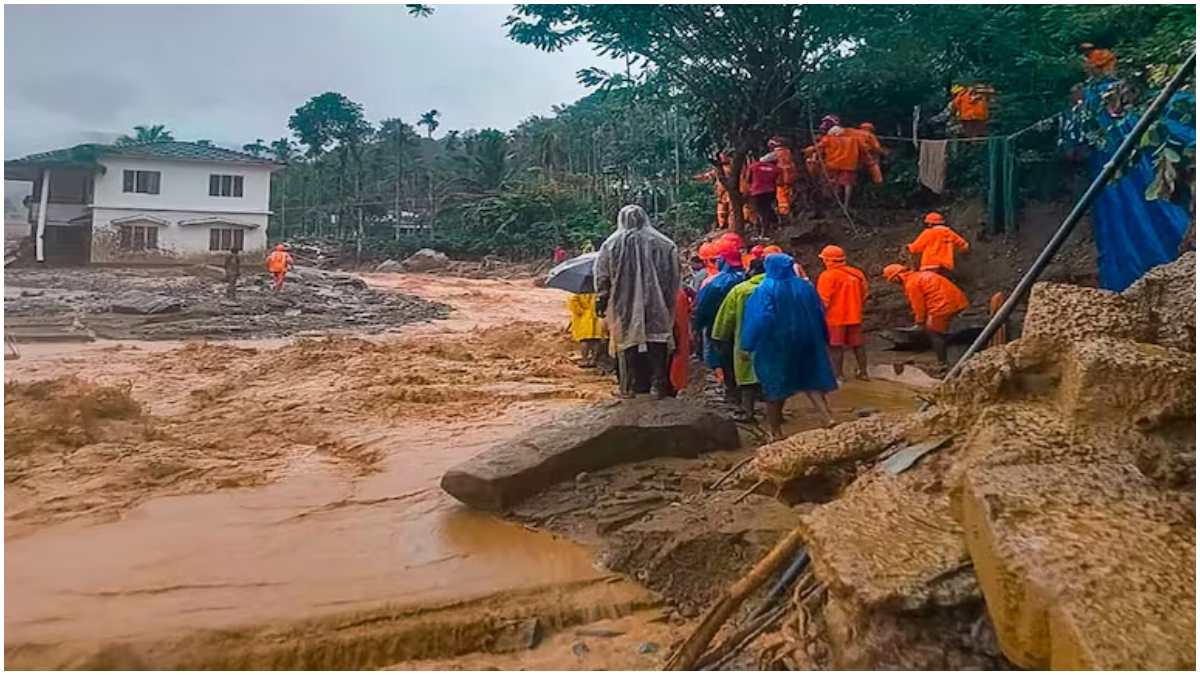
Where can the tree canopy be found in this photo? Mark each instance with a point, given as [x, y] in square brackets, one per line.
[146, 133]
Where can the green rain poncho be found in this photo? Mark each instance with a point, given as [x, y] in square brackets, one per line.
[728, 327]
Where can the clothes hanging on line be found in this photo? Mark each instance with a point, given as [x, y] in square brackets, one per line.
[1002, 186]
[931, 166]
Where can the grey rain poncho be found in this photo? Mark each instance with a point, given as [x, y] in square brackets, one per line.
[637, 279]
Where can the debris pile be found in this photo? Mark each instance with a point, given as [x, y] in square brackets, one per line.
[177, 303]
[1053, 523]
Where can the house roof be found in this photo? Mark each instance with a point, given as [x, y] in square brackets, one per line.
[86, 156]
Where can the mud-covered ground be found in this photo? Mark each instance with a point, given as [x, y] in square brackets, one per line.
[159, 491]
[89, 302]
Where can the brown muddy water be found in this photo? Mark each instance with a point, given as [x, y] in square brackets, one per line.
[276, 503]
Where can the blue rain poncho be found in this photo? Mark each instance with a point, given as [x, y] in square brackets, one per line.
[1132, 233]
[708, 302]
[784, 330]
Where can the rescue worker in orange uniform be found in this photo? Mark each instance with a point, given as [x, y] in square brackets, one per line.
[1098, 62]
[278, 264]
[786, 163]
[969, 105]
[936, 245]
[843, 290]
[749, 217]
[723, 202]
[934, 300]
[841, 153]
[872, 150]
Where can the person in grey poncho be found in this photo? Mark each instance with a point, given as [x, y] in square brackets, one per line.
[637, 278]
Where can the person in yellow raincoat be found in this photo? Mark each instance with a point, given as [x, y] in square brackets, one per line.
[586, 328]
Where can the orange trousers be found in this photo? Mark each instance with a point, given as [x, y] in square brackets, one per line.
[783, 199]
[723, 210]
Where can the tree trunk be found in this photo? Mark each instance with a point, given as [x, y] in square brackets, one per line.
[733, 186]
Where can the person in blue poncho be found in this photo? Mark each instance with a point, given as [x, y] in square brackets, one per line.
[718, 353]
[783, 328]
[1136, 225]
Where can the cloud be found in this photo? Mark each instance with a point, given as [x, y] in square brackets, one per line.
[235, 73]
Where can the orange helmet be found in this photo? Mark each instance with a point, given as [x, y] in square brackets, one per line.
[772, 249]
[893, 271]
[934, 218]
[832, 253]
[867, 125]
[707, 251]
[278, 247]
[733, 238]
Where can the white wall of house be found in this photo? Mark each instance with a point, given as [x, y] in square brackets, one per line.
[177, 242]
[183, 186]
[183, 196]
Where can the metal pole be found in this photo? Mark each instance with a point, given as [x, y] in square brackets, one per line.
[1085, 202]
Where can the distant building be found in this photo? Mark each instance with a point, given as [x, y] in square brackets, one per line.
[145, 202]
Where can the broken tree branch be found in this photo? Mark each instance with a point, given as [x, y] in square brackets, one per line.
[686, 656]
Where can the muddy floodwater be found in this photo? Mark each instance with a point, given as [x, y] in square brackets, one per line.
[232, 488]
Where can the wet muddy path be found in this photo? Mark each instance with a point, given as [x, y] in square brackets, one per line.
[274, 503]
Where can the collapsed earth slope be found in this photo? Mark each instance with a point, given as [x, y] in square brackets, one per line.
[1053, 526]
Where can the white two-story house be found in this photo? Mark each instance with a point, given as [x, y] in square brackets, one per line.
[164, 201]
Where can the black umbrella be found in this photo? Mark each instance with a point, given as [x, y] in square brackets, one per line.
[574, 275]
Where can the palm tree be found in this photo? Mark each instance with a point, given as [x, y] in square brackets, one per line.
[257, 148]
[282, 149]
[147, 134]
[429, 120]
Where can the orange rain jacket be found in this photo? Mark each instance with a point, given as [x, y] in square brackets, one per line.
[843, 289]
[936, 245]
[841, 152]
[932, 295]
[279, 261]
[970, 105]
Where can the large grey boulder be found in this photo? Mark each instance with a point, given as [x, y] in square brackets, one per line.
[587, 439]
[389, 265]
[425, 260]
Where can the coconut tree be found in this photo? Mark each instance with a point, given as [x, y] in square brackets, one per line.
[147, 134]
[430, 121]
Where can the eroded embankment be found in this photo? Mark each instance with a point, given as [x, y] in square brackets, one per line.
[1051, 525]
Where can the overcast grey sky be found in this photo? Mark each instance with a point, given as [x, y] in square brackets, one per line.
[84, 73]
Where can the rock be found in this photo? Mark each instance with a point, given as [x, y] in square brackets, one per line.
[865, 412]
[1085, 566]
[138, 302]
[425, 260]
[389, 265]
[587, 439]
[1168, 293]
[794, 456]
[292, 312]
[518, 636]
[647, 648]
[887, 544]
[579, 649]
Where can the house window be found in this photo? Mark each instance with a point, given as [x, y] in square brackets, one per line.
[225, 238]
[138, 238]
[224, 186]
[141, 181]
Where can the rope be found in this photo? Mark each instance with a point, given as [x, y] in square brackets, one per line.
[978, 139]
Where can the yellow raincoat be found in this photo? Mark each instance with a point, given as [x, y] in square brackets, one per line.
[585, 325]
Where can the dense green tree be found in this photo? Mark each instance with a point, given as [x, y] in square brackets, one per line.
[258, 148]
